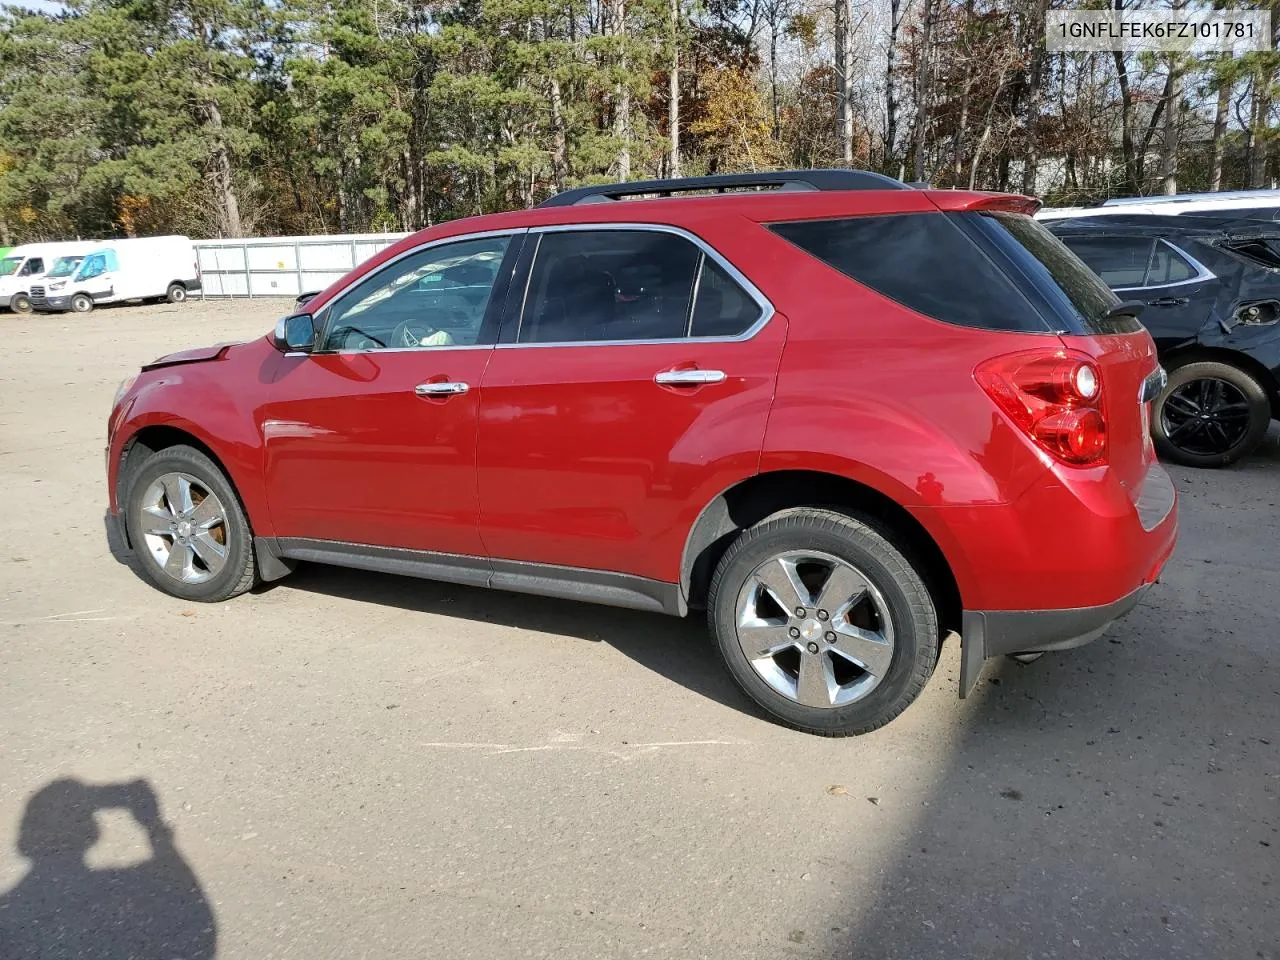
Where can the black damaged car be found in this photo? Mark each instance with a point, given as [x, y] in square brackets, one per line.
[1210, 289]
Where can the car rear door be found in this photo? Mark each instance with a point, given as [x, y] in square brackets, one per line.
[371, 440]
[1177, 291]
[632, 386]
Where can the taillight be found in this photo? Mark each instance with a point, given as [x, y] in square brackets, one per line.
[1055, 398]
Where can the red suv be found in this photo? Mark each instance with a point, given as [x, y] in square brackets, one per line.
[841, 415]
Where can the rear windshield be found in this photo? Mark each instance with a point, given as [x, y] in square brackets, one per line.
[1054, 268]
[924, 261]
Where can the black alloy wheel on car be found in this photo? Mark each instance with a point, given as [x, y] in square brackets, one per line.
[1210, 415]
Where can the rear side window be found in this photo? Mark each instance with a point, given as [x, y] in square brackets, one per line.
[923, 261]
[609, 285]
[1119, 261]
[629, 285]
[1168, 266]
[722, 308]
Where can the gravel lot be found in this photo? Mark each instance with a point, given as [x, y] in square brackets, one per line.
[365, 766]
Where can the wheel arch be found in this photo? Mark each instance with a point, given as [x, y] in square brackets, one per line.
[1194, 353]
[153, 438]
[750, 500]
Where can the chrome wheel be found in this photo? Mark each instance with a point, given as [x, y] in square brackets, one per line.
[184, 527]
[1205, 417]
[815, 629]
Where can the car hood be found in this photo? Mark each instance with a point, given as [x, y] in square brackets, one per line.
[196, 355]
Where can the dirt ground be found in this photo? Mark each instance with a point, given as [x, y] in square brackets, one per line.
[351, 765]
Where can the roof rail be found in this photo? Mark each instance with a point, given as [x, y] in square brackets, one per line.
[780, 180]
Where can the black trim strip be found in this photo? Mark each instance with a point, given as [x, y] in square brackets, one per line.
[543, 579]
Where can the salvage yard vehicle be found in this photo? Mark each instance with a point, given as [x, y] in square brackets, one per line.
[114, 271]
[1211, 294]
[842, 416]
[23, 269]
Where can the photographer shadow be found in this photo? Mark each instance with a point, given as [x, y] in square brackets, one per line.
[63, 908]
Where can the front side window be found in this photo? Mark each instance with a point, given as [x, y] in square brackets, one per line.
[33, 267]
[94, 265]
[435, 297]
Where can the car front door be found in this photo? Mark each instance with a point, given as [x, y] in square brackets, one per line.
[632, 386]
[371, 439]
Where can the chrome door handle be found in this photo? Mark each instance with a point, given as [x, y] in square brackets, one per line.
[447, 388]
[688, 378]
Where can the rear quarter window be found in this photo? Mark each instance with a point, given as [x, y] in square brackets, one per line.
[1055, 271]
[923, 261]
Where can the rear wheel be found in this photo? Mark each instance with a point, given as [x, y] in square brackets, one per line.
[20, 303]
[177, 293]
[1210, 414]
[823, 622]
[82, 303]
[187, 528]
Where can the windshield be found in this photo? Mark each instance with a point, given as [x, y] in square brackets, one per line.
[63, 267]
[8, 265]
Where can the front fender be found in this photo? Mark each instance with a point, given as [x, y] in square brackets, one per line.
[220, 421]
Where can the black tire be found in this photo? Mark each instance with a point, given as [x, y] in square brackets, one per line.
[177, 293]
[81, 303]
[21, 303]
[1238, 408]
[239, 570]
[858, 543]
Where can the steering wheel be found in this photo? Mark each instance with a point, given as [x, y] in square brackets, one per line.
[417, 333]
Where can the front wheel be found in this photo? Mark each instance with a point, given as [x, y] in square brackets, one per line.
[1210, 414]
[177, 293]
[187, 528]
[81, 303]
[823, 622]
[20, 303]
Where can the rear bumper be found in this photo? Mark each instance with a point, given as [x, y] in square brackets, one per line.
[995, 633]
[1054, 569]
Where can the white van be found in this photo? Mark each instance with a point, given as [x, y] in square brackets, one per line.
[147, 268]
[26, 265]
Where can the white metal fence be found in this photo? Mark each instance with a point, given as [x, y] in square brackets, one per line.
[282, 266]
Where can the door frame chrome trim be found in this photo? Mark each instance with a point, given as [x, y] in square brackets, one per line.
[767, 310]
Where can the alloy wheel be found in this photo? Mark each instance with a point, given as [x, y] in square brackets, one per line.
[184, 527]
[1205, 417]
[815, 629]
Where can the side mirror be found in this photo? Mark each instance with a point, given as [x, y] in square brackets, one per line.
[295, 334]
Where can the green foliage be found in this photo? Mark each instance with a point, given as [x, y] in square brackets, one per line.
[225, 117]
